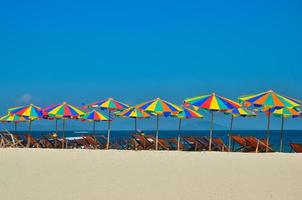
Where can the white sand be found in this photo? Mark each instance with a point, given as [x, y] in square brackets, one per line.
[91, 174]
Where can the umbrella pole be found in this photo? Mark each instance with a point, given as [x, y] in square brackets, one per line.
[211, 131]
[268, 130]
[109, 127]
[281, 134]
[231, 128]
[135, 125]
[29, 126]
[56, 126]
[63, 134]
[93, 127]
[178, 138]
[156, 138]
[15, 127]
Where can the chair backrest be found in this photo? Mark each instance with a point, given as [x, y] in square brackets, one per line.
[240, 140]
[296, 147]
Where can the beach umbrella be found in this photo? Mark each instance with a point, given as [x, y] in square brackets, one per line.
[213, 103]
[186, 113]
[63, 111]
[31, 111]
[46, 116]
[134, 113]
[236, 112]
[271, 101]
[94, 116]
[285, 113]
[111, 105]
[159, 108]
[14, 119]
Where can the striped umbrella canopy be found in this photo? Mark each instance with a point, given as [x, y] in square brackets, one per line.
[186, 113]
[285, 113]
[243, 112]
[159, 107]
[212, 102]
[13, 118]
[64, 111]
[133, 112]
[94, 116]
[270, 100]
[110, 104]
[31, 111]
[236, 112]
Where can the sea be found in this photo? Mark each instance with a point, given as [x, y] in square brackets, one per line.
[290, 136]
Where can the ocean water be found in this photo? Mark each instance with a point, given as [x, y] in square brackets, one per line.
[289, 135]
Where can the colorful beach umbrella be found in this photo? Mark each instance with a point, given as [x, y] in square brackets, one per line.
[12, 118]
[270, 100]
[243, 112]
[212, 102]
[94, 116]
[285, 113]
[63, 111]
[31, 111]
[159, 108]
[111, 105]
[134, 113]
[186, 113]
[46, 115]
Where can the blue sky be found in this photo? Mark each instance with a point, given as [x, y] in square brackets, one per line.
[53, 51]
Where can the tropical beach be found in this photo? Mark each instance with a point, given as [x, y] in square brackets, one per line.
[150, 100]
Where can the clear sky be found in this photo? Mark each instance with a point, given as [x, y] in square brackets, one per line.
[83, 51]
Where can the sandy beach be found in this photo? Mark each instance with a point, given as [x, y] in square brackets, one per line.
[93, 174]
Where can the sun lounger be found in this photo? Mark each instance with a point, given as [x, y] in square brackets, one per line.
[220, 144]
[257, 144]
[31, 141]
[10, 140]
[243, 147]
[92, 142]
[250, 144]
[192, 143]
[297, 148]
[173, 142]
[102, 141]
[141, 142]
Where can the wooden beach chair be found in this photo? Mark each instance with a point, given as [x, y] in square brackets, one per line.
[141, 142]
[297, 148]
[102, 141]
[243, 146]
[81, 143]
[5, 140]
[174, 142]
[257, 145]
[17, 141]
[192, 143]
[31, 142]
[220, 144]
[10, 140]
[46, 143]
[92, 142]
